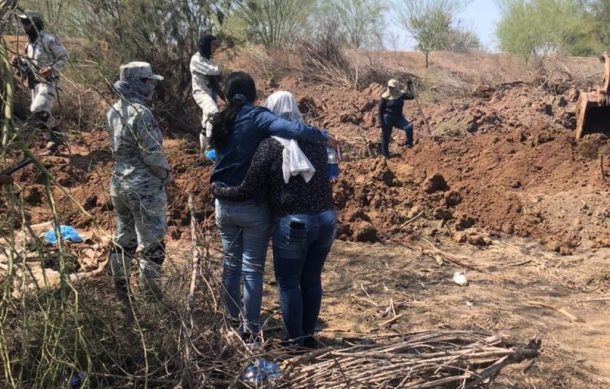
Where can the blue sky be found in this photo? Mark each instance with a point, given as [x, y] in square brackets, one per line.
[480, 16]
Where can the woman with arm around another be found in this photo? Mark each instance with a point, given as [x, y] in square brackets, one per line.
[304, 219]
[245, 224]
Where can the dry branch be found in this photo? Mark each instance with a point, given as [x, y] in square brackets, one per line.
[421, 360]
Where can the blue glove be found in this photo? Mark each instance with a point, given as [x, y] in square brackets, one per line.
[211, 154]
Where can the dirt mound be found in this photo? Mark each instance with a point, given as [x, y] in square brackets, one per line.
[498, 158]
[509, 159]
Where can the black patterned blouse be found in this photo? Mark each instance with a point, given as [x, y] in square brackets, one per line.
[296, 197]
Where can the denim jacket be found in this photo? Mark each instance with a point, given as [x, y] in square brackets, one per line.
[251, 126]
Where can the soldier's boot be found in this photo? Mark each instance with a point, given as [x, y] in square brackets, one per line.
[119, 266]
[150, 281]
[120, 261]
[150, 270]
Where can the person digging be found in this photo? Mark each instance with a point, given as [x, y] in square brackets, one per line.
[390, 114]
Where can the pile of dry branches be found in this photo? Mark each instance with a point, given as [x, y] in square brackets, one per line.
[424, 360]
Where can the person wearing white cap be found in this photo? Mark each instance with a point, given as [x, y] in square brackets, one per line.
[390, 114]
[140, 174]
[45, 58]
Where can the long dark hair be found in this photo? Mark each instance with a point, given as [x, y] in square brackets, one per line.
[205, 44]
[239, 89]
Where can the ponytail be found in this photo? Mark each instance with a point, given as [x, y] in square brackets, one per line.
[223, 120]
[240, 89]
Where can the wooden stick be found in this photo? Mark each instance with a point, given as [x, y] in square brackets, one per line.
[560, 310]
[195, 254]
[414, 218]
[421, 111]
[457, 261]
[392, 320]
[594, 300]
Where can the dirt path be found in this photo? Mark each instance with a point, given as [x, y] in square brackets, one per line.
[520, 292]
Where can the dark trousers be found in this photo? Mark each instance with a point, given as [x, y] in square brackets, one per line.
[301, 244]
[388, 122]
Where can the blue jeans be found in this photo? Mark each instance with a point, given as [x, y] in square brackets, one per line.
[245, 231]
[301, 244]
[388, 122]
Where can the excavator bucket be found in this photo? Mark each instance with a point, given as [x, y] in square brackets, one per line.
[593, 112]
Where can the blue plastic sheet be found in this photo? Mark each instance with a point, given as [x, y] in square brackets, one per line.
[68, 233]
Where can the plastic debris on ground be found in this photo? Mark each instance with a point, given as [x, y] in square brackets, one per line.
[460, 278]
[77, 380]
[262, 371]
[68, 233]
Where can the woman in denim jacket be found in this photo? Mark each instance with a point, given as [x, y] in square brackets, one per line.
[304, 225]
[245, 224]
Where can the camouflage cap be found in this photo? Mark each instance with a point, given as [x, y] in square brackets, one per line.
[29, 14]
[138, 70]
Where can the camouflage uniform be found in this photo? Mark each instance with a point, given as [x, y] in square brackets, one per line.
[138, 182]
[45, 51]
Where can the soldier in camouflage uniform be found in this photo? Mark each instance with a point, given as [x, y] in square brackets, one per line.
[44, 59]
[140, 174]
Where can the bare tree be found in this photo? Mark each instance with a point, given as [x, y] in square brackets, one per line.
[428, 21]
[361, 20]
[274, 23]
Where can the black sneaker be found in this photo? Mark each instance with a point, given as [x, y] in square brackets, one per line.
[311, 342]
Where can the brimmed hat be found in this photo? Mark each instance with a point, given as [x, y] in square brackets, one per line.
[138, 70]
[393, 91]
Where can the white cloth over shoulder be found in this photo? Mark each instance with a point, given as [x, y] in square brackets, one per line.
[294, 161]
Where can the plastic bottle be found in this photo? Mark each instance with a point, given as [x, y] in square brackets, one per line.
[262, 371]
[333, 163]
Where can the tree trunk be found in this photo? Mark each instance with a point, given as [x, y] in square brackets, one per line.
[427, 55]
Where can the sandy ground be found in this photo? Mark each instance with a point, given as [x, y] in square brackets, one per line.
[519, 291]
